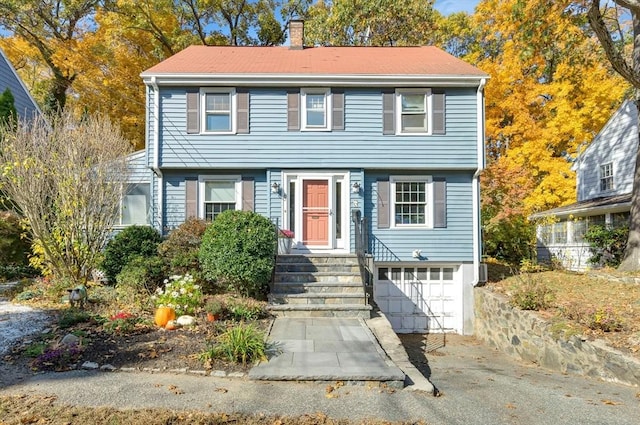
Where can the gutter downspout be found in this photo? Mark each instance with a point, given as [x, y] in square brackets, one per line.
[156, 149]
[476, 183]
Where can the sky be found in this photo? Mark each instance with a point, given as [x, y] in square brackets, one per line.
[450, 6]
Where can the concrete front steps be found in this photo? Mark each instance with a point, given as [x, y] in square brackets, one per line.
[318, 285]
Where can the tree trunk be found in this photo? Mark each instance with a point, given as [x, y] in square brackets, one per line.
[631, 261]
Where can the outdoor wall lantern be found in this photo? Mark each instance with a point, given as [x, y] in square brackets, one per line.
[275, 187]
[355, 188]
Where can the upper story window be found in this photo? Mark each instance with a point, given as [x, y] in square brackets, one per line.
[413, 108]
[218, 110]
[415, 111]
[219, 194]
[411, 197]
[134, 205]
[316, 107]
[606, 177]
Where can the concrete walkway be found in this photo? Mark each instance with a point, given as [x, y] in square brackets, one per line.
[326, 349]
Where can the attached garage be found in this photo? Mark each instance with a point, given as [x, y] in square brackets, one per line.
[420, 299]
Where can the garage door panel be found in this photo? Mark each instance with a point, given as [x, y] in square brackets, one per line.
[420, 299]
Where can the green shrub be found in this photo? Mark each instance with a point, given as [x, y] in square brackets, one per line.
[531, 294]
[133, 241]
[607, 244]
[248, 309]
[73, 317]
[140, 277]
[180, 250]
[237, 251]
[14, 248]
[241, 343]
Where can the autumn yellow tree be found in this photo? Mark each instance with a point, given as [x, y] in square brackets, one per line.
[369, 22]
[550, 92]
[55, 29]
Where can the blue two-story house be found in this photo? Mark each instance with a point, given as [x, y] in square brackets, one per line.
[313, 137]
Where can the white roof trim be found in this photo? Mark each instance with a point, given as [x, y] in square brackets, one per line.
[186, 79]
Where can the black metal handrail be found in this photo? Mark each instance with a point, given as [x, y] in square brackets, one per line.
[361, 235]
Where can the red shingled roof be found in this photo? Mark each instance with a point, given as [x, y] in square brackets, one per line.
[316, 60]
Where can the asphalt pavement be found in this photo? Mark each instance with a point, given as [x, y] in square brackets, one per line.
[478, 385]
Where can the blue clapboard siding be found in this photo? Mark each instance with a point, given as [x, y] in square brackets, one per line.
[175, 189]
[361, 145]
[453, 243]
[24, 103]
[139, 172]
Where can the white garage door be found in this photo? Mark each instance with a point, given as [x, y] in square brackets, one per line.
[420, 299]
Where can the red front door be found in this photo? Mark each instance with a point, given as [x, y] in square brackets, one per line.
[315, 212]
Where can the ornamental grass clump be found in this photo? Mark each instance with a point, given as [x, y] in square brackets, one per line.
[240, 344]
[180, 293]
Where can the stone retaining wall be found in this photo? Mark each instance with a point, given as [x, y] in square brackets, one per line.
[524, 335]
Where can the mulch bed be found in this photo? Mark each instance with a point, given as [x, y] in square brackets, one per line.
[145, 348]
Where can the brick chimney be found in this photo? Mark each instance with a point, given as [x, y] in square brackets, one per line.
[296, 34]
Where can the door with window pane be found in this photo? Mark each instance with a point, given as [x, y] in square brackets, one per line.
[315, 212]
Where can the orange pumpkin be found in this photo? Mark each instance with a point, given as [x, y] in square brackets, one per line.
[163, 315]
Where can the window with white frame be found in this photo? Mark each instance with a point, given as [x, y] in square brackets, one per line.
[413, 109]
[219, 194]
[134, 205]
[218, 110]
[411, 197]
[606, 177]
[316, 107]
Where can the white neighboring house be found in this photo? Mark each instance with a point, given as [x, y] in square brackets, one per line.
[604, 181]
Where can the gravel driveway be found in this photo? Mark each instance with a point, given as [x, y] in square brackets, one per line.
[18, 321]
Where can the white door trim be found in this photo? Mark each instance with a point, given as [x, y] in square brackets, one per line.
[335, 244]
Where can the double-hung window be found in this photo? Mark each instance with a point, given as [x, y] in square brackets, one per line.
[411, 201]
[134, 206]
[316, 107]
[219, 194]
[413, 108]
[606, 177]
[218, 107]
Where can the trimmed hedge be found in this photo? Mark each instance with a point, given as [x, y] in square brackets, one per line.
[238, 250]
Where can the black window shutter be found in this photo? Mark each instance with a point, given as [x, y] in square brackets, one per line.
[248, 194]
[191, 199]
[439, 116]
[384, 211]
[338, 110]
[293, 111]
[242, 126]
[193, 112]
[388, 115]
[439, 202]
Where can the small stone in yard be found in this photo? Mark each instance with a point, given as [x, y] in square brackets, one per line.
[108, 367]
[90, 365]
[70, 339]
